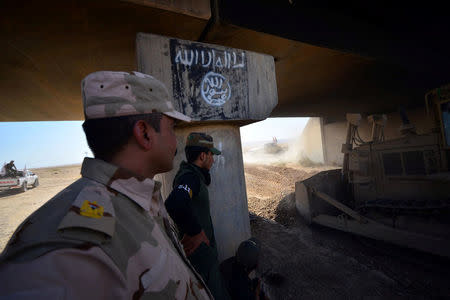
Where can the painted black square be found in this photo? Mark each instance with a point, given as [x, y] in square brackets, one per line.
[209, 83]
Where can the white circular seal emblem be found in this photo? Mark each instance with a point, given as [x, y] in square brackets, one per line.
[215, 89]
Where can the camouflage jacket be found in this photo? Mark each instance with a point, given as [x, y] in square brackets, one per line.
[105, 236]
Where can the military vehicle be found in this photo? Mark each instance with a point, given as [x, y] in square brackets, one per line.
[20, 179]
[273, 148]
[392, 190]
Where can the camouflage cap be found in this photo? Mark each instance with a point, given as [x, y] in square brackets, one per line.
[200, 139]
[113, 94]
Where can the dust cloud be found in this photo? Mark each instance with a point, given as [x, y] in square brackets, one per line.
[305, 149]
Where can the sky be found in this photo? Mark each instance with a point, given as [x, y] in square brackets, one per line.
[42, 144]
[45, 144]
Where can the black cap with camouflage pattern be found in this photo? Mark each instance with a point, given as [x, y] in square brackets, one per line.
[203, 140]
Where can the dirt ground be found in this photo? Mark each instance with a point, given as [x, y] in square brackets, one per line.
[297, 261]
[15, 206]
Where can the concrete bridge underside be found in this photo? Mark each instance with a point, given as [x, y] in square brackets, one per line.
[330, 60]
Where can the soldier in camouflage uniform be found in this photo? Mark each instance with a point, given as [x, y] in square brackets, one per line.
[107, 236]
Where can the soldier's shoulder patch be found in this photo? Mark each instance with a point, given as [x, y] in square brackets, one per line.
[186, 188]
[92, 209]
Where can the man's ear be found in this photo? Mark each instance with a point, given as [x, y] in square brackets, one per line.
[202, 156]
[144, 134]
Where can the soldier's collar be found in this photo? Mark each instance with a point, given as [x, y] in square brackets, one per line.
[206, 175]
[139, 189]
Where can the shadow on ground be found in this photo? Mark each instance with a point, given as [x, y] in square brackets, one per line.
[11, 192]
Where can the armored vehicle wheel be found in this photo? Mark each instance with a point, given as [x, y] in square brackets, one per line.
[36, 183]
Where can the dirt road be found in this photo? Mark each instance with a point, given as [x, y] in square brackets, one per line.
[15, 206]
[297, 261]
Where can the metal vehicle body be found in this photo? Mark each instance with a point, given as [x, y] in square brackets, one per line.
[22, 181]
[273, 148]
[396, 190]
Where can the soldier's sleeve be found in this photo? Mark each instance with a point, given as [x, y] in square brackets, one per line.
[91, 217]
[64, 274]
[179, 206]
[79, 272]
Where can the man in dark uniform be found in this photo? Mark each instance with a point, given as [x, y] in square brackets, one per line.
[188, 206]
[239, 272]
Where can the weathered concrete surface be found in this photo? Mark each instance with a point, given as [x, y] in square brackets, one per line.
[48, 46]
[210, 82]
[195, 8]
[227, 192]
[310, 142]
[334, 136]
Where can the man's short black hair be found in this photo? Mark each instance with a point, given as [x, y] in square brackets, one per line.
[107, 136]
[193, 152]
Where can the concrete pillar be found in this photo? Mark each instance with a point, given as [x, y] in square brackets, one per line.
[311, 142]
[220, 89]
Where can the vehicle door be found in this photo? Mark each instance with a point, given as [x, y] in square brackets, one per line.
[30, 177]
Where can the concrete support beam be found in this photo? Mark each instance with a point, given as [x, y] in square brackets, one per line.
[49, 46]
[311, 142]
[190, 70]
[195, 8]
[220, 88]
